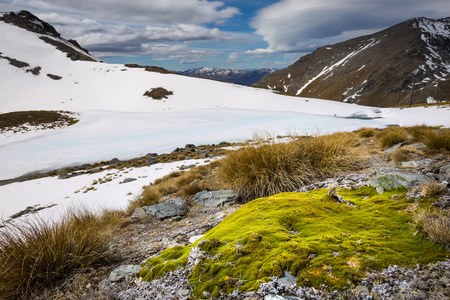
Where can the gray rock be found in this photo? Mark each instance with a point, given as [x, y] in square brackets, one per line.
[216, 198]
[139, 213]
[169, 208]
[393, 148]
[206, 294]
[151, 161]
[287, 279]
[105, 283]
[444, 173]
[184, 293]
[389, 179]
[419, 146]
[362, 289]
[280, 297]
[376, 163]
[123, 271]
[126, 180]
[418, 163]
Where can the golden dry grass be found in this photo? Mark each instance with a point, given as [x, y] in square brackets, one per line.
[180, 184]
[435, 224]
[430, 189]
[437, 139]
[37, 254]
[264, 168]
[392, 136]
[404, 153]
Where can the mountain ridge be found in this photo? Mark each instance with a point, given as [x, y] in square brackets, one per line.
[376, 69]
[243, 77]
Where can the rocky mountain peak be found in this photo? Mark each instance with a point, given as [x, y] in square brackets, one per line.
[378, 70]
[26, 20]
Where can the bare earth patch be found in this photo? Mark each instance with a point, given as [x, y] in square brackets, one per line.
[22, 121]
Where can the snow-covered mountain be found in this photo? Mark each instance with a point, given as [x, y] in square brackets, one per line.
[230, 75]
[378, 69]
[116, 120]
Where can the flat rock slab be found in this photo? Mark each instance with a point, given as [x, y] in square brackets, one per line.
[123, 271]
[169, 208]
[216, 198]
[391, 179]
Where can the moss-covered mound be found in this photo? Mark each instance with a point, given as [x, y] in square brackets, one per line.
[308, 234]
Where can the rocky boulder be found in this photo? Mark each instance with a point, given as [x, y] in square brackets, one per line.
[170, 208]
[216, 198]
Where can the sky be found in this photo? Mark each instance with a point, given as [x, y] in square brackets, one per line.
[241, 34]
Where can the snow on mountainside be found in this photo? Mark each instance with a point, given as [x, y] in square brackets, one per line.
[230, 75]
[116, 120]
[378, 69]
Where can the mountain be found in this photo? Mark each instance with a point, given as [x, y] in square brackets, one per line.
[230, 75]
[47, 33]
[377, 70]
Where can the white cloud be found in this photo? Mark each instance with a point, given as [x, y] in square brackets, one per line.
[138, 11]
[106, 39]
[303, 25]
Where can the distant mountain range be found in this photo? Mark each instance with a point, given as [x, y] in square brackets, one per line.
[230, 75]
[378, 70]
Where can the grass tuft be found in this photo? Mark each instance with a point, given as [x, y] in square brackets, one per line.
[264, 168]
[404, 153]
[437, 139]
[366, 132]
[430, 189]
[37, 254]
[392, 136]
[435, 224]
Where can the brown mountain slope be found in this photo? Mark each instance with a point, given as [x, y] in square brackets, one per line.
[376, 70]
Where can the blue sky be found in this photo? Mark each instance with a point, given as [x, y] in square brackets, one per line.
[242, 34]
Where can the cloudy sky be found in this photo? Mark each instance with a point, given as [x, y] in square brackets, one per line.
[243, 34]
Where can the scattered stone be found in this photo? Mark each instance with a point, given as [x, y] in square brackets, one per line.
[336, 254]
[393, 148]
[216, 198]
[183, 167]
[170, 208]
[152, 161]
[419, 146]
[418, 163]
[206, 294]
[126, 180]
[123, 271]
[389, 179]
[376, 163]
[195, 238]
[288, 279]
[139, 213]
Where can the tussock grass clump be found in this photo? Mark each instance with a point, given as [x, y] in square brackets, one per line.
[430, 189]
[264, 168]
[36, 254]
[366, 132]
[437, 139]
[404, 153]
[435, 224]
[392, 136]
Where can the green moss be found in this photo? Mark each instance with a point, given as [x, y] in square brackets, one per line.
[169, 260]
[309, 234]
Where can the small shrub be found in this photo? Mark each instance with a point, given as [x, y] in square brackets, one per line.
[366, 132]
[392, 136]
[158, 93]
[265, 168]
[435, 224]
[332, 189]
[430, 189]
[36, 254]
[437, 139]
